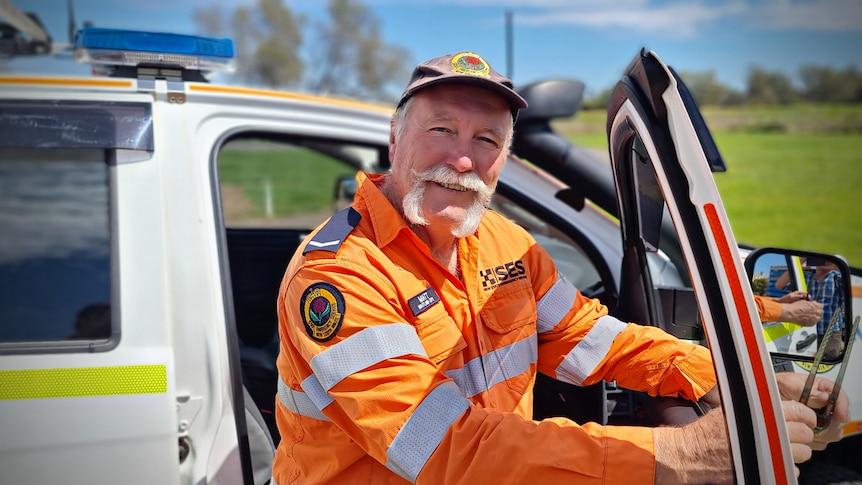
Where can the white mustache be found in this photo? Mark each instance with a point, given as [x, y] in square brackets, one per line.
[445, 175]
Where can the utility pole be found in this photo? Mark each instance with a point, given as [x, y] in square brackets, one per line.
[509, 57]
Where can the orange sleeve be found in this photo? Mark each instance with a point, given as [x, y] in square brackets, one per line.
[640, 357]
[487, 447]
[768, 309]
[649, 359]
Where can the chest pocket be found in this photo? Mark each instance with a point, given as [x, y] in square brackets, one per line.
[509, 318]
[439, 334]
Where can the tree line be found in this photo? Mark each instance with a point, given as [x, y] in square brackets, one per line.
[345, 55]
[816, 84]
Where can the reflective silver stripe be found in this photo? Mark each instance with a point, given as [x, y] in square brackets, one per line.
[589, 352]
[315, 392]
[424, 430]
[470, 379]
[556, 303]
[370, 346]
[482, 373]
[301, 403]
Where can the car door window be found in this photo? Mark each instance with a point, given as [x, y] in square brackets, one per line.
[55, 254]
[287, 184]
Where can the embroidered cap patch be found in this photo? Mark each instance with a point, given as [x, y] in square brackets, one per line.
[322, 309]
[472, 64]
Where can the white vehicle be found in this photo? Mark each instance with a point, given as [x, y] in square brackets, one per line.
[148, 216]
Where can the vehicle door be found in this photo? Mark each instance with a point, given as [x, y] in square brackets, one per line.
[662, 156]
[87, 373]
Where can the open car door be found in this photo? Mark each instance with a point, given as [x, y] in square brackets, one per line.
[662, 156]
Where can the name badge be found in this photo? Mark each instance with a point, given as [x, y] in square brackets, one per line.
[423, 301]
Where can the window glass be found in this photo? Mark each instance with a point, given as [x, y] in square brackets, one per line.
[55, 270]
[288, 184]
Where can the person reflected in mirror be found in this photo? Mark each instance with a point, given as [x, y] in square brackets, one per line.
[824, 284]
[795, 307]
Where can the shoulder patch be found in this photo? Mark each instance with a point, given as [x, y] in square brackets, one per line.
[332, 234]
[322, 310]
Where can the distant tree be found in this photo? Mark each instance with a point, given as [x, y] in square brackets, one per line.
[707, 89]
[209, 21]
[244, 37]
[759, 283]
[276, 58]
[824, 84]
[267, 39]
[764, 87]
[599, 100]
[350, 58]
[347, 57]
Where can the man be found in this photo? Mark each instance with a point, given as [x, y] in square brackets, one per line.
[413, 324]
[823, 284]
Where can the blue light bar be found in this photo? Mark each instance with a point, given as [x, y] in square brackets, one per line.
[130, 40]
[113, 47]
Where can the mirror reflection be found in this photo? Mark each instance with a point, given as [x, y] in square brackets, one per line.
[799, 295]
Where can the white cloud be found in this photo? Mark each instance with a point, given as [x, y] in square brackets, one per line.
[817, 15]
[52, 210]
[676, 18]
[673, 20]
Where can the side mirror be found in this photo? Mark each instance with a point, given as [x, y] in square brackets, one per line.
[799, 294]
[345, 188]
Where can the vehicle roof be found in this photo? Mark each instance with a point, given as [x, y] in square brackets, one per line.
[111, 84]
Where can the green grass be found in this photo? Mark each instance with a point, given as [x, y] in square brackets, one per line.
[300, 180]
[797, 191]
[793, 173]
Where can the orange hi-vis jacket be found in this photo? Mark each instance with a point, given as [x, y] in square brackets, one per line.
[392, 370]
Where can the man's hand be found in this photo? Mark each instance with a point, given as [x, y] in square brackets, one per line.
[803, 312]
[712, 397]
[800, 421]
[698, 452]
[790, 386]
[793, 296]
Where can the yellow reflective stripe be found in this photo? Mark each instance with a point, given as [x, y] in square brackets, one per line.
[799, 274]
[780, 330]
[83, 381]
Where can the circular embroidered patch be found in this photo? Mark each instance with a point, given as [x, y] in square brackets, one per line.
[472, 64]
[322, 309]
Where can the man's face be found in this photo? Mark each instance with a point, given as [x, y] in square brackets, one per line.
[447, 160]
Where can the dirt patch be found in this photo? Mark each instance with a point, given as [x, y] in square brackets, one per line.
[239, 211]
[235, 204]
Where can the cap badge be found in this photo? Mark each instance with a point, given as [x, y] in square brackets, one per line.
[471, 65]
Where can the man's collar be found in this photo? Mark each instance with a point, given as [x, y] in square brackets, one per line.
[386, 220]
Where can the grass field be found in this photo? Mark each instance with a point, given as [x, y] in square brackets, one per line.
[794, 177]
[303, 185]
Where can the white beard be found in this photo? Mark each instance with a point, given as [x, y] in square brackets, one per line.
[412, 203]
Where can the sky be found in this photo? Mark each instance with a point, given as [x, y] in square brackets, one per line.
[589, 40]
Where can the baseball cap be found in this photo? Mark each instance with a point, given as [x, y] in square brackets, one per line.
[465, 68]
